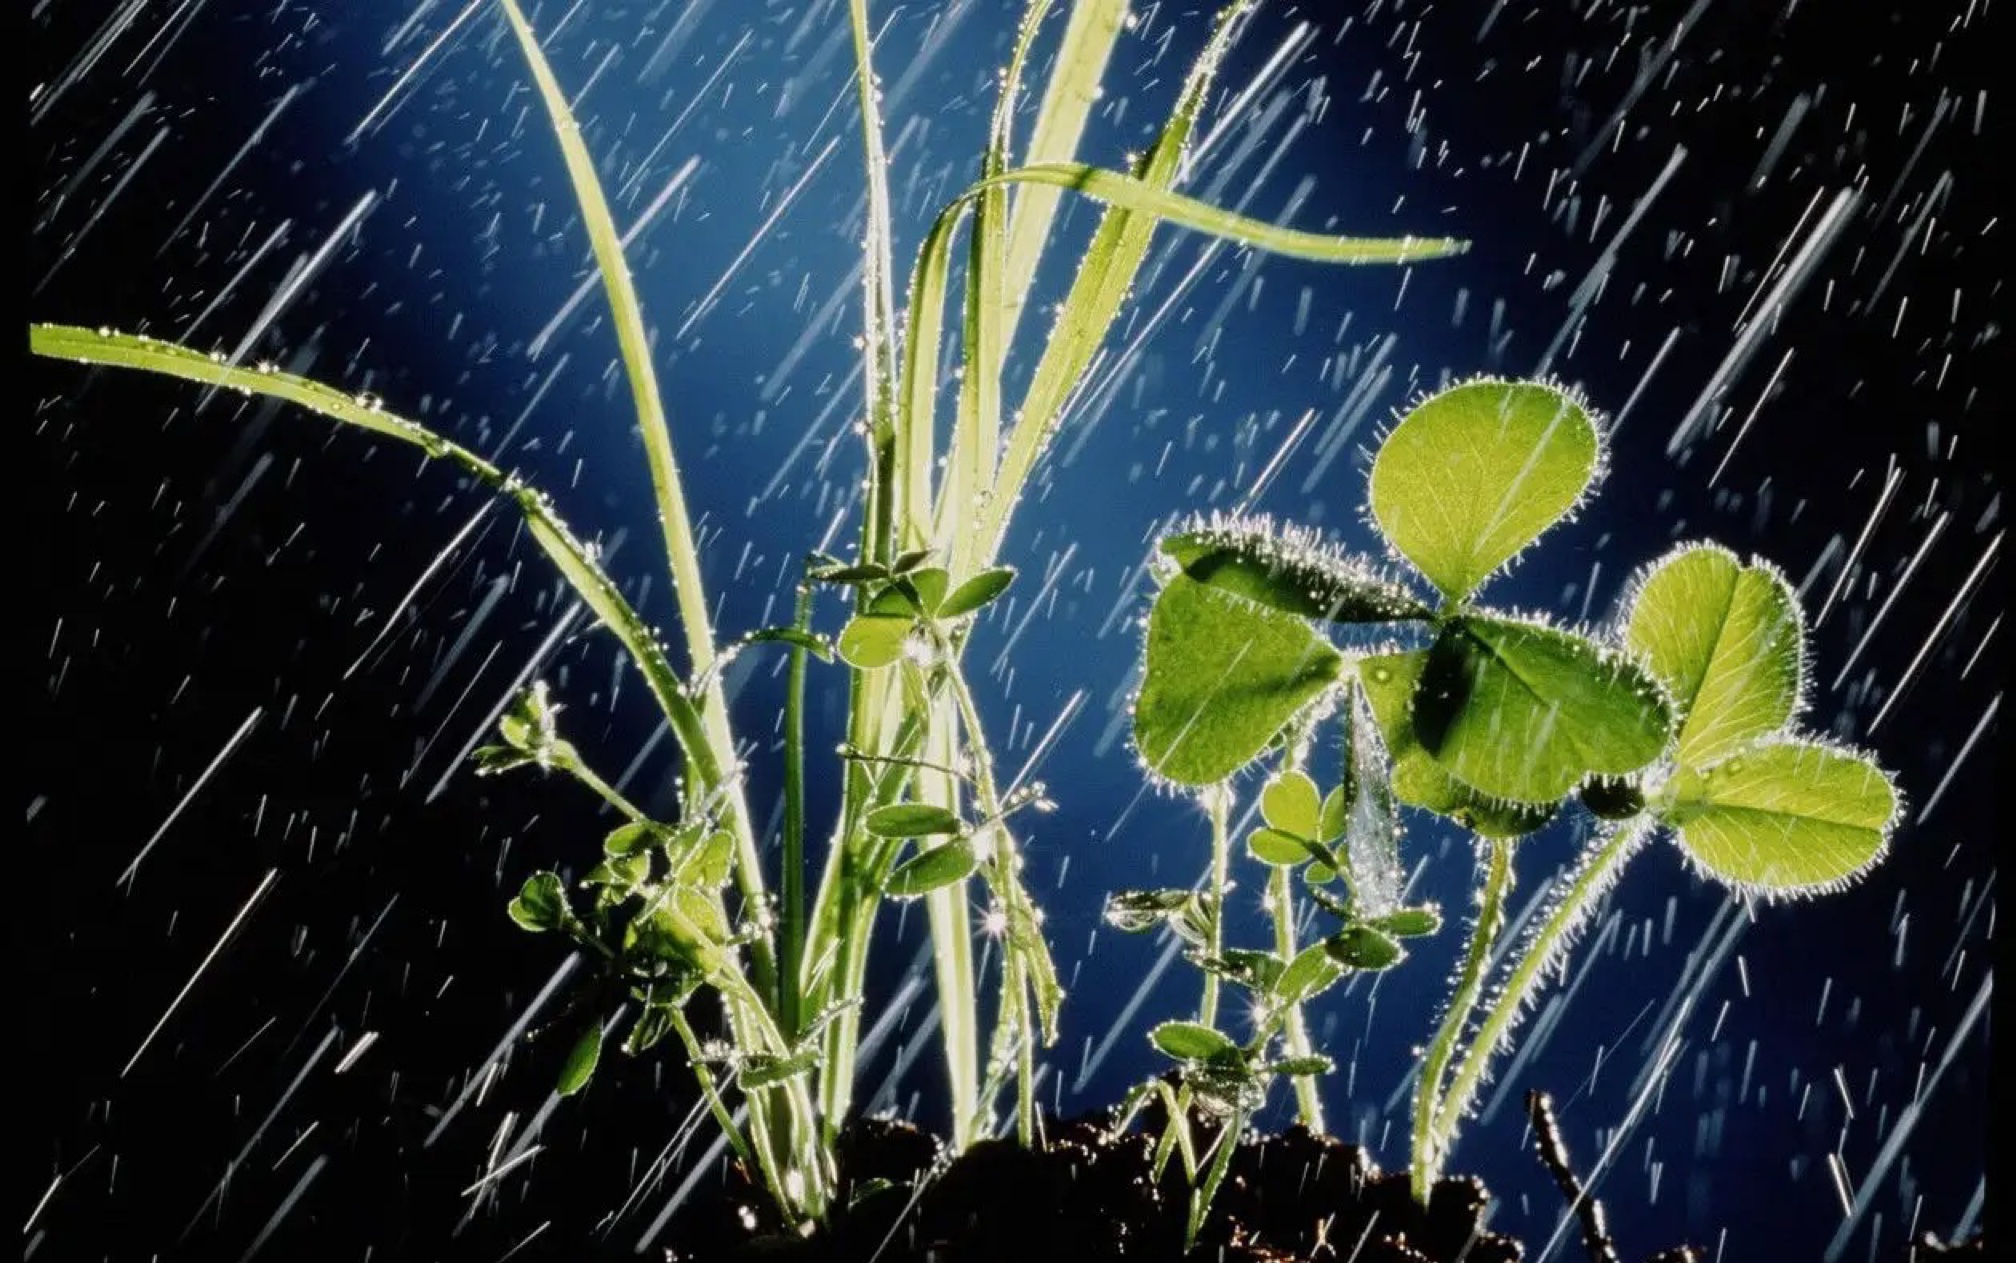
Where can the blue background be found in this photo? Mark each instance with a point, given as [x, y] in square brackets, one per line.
[193, 559]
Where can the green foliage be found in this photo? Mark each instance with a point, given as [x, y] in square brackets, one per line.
[581, 1061]
[1783, 817]
[1472, 475]
[1223, 678]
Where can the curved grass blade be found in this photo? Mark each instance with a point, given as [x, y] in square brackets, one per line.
[681, 547]
[1139, 197]
[576, 563]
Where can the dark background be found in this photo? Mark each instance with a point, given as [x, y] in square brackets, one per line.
[195, 562]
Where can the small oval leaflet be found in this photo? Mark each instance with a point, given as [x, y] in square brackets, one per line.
[976, 592]
[581, 1061]
[1289, 802]
[932, 870]
[541, 903]
[1191, 1041]
[1363, 947]
[869, 641]
[912, 820]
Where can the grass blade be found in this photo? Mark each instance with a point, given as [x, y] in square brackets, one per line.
[681, 546]
[574, 559]
[1094, 27]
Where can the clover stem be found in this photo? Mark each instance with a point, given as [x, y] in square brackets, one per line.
[1592, 877]
[1218, 804]
[1281, 902]
[1495, 856]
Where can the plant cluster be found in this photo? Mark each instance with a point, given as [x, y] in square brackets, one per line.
[1676, 719]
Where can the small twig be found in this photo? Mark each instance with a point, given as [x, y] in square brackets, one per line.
[1554, 1154]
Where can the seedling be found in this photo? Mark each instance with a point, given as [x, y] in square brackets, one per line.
[1678, 718]
[676, 908]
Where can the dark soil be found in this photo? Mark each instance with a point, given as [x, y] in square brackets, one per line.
[1091, 1195]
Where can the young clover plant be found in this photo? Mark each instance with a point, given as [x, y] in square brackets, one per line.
[682, 908]
[1490, 719]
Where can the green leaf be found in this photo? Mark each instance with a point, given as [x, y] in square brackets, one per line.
[1133, 911]
[766, 1070]
[911, 820]
[494, 760]
[905, 562]
[1191, 1041]
[1725, 640]
[1525, 712]
[930, 585]
[516, 730]
[1309, 975]
[1256, 971]
[976, 592]
[869, 641]
[932, 870]
[1289, 802]
[541, 903]
[651, 1026]
[1784, 818]
[1282, 850]
[1289, 571]
[1474, 474]
[851, 576]
[1298, 1067]
[1390, 683]
[1223, 678]
[1410, 922]
[816, 645]
[619, 873]
[632, 837]
[581, 1061]
[705, 859]
[1335, 814]
[1365, 948]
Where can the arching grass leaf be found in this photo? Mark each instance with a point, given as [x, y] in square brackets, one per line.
[933, 870]
[1474, 474]
[1390, 682]
[1296, 575]
[1223, 678]
[1525, 712]
[1784, 817]
[1725, 640]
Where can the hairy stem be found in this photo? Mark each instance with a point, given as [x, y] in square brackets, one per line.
[1495, 855]
[1295, 1032]
[1592, 877]
[1218, 804]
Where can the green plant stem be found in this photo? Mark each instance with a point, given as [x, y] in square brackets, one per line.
[791, 877]
[1496, 859]
[1281, 903]
[1025, 964]
[704, 1073]
[1592, 876]
[1218, 805]
[570, 762]
[675, 522]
